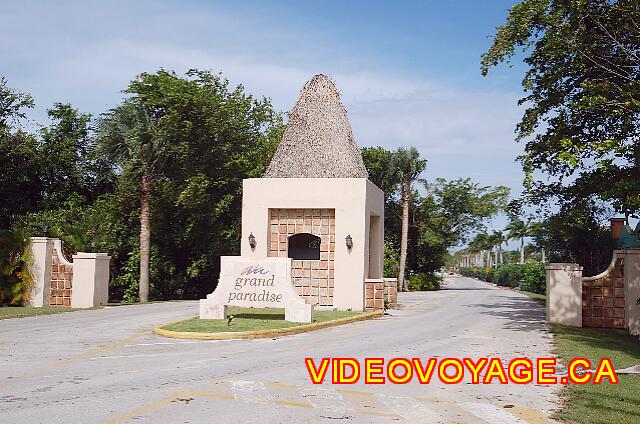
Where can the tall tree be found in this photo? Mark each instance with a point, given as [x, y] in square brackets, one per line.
[583, 96]
[129, 136]
[407, 165]
[379, 164]
[578, 233]
[449, 214]
[69, 170]
[203, 138]
[518, 229]
[20, 183]
[496, 240]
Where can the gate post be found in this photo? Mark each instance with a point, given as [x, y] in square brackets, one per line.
[632, 290]
[90, 280]
[40, 267]
[564, 294]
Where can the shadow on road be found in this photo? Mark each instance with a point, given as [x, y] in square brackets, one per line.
[520, 314]
[466, 288]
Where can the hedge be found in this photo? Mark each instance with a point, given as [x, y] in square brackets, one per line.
[529, 276]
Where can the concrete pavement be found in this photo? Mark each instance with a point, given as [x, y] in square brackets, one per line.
[106, 366]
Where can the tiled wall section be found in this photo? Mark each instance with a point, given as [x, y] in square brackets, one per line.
[313, 279]
[376, 293]
[61, 276]
[603, 299]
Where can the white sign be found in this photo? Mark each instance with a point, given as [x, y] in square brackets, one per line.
[264, 283]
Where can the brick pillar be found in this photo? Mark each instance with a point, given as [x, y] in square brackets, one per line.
[41, 256]
[391, 292]
[564, 294]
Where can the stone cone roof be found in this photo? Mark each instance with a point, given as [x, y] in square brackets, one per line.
[317, 142]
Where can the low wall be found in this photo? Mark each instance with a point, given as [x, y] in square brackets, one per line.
[610, 299]
[83, 283]
[376, 291]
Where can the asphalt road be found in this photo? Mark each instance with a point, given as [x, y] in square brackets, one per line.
[106, 365]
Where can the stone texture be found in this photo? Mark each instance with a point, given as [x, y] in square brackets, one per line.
[318, 142]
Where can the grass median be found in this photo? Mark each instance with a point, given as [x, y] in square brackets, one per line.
[604, 403]
[251, 319]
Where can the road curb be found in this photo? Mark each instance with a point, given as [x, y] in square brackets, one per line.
[259, 334]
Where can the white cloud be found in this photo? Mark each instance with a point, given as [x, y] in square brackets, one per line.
[88, 61]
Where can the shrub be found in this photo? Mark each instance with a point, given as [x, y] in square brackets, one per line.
[509, 275]
[16, 281]
[534, 278]
[529, 277]
[484, 274]
[424, 282]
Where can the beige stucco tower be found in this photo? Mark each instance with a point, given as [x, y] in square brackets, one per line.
[316, 205]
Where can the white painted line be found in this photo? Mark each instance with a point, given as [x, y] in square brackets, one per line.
[491, 413]
[410, 409]
[326, 399]
[250, 391]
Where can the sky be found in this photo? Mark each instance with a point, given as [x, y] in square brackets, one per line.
[408, 71]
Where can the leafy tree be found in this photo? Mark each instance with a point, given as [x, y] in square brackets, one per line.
[449, 215]
[201, 139]
[20, 183]
[583, 96]
[68, 170]
[379, 164]
[578, 233]
[407, 165]
[12, 107]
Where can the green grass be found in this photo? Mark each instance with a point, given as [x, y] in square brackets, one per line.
[27, 311]
[540, 298]
[605, 403]
[250, 319]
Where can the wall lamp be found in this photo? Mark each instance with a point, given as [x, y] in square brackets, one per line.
[252, 241]
[349, 242]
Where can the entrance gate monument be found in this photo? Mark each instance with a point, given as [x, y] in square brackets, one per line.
[313, 225]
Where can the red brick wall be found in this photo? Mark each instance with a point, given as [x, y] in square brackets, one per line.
[312, 279]
[61, 276]
[603, 299]
[375, 293]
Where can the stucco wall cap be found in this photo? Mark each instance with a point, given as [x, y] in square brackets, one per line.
[318, 142]
[565, 266]
[85, 255]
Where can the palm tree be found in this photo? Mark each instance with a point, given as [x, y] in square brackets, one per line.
[407, 166]
[518, 230]
[482, 244]
[496, 240]
[127, 136]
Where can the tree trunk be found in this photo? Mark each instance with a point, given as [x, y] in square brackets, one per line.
[406, 194]
[145, 236]
[522, 250]
[544, 256]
